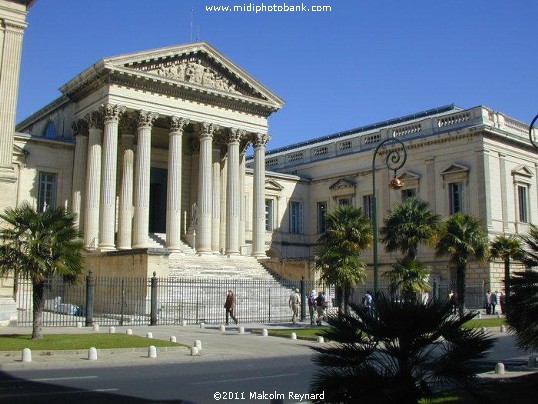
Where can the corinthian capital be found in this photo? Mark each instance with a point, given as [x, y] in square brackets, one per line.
[178, 124]
[235, 135]
[261, 139]
[208, 129]
[94, 120]
[112, 112]
[145, 119]
[80, 127]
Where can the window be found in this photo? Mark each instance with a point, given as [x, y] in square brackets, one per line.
[322, 212]
[367, 205]
[455, 190]
[409, 193]
[344, 201]
[269, 214]
[523, 203]
[47, 191]
[296, 217]
[50, 130]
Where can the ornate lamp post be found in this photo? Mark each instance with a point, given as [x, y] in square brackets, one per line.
[395, 159]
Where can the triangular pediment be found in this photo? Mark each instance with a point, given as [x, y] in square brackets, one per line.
[409, 176]
[523, 171]
[343, 183]
[455, 168]
[197, 65]
[273, 185]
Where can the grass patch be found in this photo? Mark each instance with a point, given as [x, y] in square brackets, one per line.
[53, 342]
[485, 322]
[310, 333]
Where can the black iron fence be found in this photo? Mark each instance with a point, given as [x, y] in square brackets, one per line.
[173, 300]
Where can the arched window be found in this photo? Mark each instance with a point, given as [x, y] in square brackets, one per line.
[50, 130]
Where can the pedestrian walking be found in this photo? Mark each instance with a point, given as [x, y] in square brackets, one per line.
[488, 302]
[493, 302]
[294, 302]
[312, 306]
[229, 305]
[321, 305]
[502, 302]
[453, 302]
[367, 301]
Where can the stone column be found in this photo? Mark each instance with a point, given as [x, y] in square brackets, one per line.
[173, 204]
[142, 179]
[203, 238]
[215, 222]
[80, 131]
[258, 216]
[232, 192]
[223, 187]
[93, 180]
[242, 199]
[125, 208]
[10, 58]
[107, 224]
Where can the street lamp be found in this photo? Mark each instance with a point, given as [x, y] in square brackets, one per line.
[395, 159]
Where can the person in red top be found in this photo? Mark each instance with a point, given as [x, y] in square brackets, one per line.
[229, 305]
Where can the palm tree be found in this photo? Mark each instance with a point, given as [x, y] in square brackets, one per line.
[462, 238]
[40, 245]
[394, 354]
[506, 248]
[348, 234]
[522, 313]
[409, 223]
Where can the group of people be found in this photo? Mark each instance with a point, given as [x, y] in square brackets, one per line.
[494, 299]
[317, 306]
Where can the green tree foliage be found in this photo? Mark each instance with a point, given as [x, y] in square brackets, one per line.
[506, 248]
[522, 313]
[394, 354]
[462, 239]
[408, 224]
[348, 234]
[39, 245]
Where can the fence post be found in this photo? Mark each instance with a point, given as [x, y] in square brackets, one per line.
[435, 291]
[153, 314]
[303, 299]
[90, 287]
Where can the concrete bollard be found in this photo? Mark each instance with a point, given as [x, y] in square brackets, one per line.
[149, 335]
[96, 327]
[264, 332]
[152, 352]
[173, 338]
[320, 339]
[532, 361]
[499, 369]
[222, 328]
[26, 355]
[198, 344]
[79, 324]
[479, 316]
[484, 330]
[241, 330]
[129, 331]
[112, 330]
[503, 328]
[92, 354]
[194, 351]
[293, 335]
[202, 325]
[184, 323]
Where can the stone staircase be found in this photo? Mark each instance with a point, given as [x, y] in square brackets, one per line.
[213, 274]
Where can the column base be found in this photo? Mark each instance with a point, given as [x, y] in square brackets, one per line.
[259, 254]
[204, 252]
[105, 248]
[232, 254]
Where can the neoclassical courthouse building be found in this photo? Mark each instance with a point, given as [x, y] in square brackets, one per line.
[165, 157]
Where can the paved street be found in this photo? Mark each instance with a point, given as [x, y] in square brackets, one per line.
[231, 364]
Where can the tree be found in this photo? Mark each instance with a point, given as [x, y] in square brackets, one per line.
[40, 245]
[522, 313]
[462, 239]
[506, 248]
[394, 354]
[348, 234]
[408, 224]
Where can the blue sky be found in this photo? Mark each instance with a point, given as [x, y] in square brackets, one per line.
[360, 63]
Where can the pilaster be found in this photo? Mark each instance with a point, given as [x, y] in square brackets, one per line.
[80, 130]
[258, 220]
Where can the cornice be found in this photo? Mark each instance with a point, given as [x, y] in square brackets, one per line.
[46, 110]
